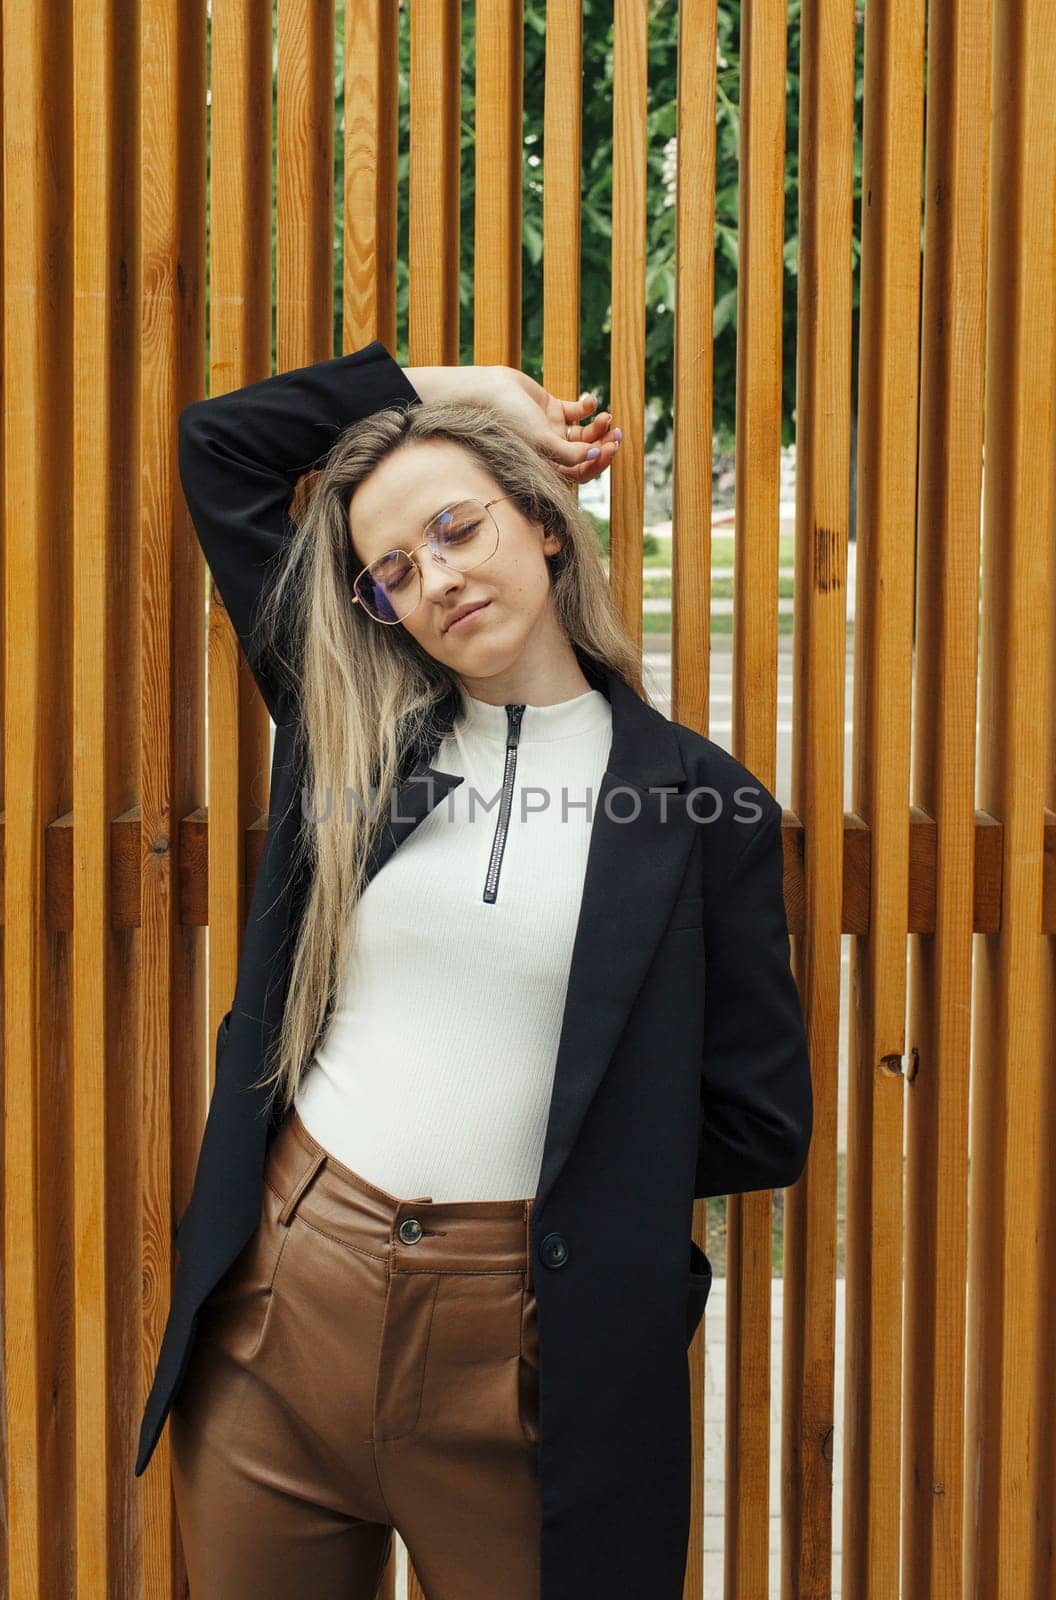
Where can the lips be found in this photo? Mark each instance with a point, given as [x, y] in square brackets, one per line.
[467, 612]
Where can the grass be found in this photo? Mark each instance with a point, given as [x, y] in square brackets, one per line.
[660, 622]
[659, 588]
[721, 552]
[721, 588]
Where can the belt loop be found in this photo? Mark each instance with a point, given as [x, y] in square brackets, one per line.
[290, 1205]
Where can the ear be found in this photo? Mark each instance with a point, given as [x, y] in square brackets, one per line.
[553, 541]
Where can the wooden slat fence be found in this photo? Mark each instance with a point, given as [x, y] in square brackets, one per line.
[920, 806]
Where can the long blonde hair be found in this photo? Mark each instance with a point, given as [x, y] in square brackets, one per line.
[369, 695]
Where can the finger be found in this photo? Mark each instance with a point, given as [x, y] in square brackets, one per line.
[597, 427]
[572, 454]
[575, 411]
[585, 471]
[589, 433]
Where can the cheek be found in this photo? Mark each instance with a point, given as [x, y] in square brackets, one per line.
[417, 627]
[525, 579]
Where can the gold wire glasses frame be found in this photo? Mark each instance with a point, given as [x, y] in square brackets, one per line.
[357, 598]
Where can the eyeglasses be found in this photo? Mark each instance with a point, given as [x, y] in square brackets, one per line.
[462, 536]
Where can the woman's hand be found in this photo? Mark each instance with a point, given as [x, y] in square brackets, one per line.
[559, 429]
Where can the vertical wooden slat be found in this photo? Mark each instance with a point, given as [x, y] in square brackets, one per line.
[761, 216]
[1004, 1540]
[883, 616]
[691, 525]
[4, 1458]
[498, 156]
[171, 749]
[1045, 1562]
[371, 139]
[239, 353]
[630, 84]
[305, 212]
[944, 740]
[563, 146]
[694, 323]
[819, 664]
[38, 1305]
[433, 334]
[106, 1109]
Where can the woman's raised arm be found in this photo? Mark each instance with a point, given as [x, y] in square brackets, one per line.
[240, 457]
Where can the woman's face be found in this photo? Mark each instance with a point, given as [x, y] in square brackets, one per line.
[389, 511]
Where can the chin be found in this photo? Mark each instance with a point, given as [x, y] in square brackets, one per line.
[479, 640]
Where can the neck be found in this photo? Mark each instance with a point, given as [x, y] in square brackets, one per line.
[540, 678]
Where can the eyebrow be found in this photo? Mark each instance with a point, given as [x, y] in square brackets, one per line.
[451, 501]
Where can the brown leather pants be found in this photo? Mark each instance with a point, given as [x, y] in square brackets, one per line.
[367, 1363]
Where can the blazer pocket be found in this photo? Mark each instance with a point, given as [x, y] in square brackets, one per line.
[687, 912]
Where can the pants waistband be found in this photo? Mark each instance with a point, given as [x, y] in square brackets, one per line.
[417, 1234]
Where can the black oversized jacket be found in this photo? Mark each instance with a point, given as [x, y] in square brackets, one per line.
[682, 1067]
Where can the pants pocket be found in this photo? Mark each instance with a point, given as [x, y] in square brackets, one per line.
[237, 1312]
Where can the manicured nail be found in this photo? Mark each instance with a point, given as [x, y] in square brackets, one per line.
[591, 454]
[617, 433]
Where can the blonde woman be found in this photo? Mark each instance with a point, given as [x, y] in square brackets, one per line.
[514, 990]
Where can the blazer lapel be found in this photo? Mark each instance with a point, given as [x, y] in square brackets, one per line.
[639, 848]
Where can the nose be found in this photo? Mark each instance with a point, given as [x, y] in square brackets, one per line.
[438, 578]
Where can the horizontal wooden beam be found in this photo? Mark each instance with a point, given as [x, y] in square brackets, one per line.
[193, 870]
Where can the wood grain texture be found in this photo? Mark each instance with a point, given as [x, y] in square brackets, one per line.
[883, 668]
[1008, 1550]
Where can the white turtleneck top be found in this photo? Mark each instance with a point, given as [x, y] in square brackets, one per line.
[435, 1075]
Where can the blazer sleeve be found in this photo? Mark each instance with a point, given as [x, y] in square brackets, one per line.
[240, 457]
[756, 1108]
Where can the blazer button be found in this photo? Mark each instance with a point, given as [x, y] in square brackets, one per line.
[553, 1252]
[410, 1230]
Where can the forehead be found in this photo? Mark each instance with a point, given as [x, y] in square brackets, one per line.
[391, 506]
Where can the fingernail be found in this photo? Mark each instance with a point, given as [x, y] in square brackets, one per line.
[591, 454]
[617, 433]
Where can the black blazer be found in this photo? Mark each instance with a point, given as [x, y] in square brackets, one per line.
[682, 1068]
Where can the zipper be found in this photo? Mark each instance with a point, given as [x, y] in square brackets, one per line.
[498, 844]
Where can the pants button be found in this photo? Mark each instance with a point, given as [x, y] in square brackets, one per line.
[410, 1230]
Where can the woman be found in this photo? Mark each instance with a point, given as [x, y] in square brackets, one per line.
[468, 1087]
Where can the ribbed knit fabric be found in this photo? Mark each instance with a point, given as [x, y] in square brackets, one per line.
[435, 1076]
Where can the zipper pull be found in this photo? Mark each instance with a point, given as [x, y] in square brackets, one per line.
[513, 730]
